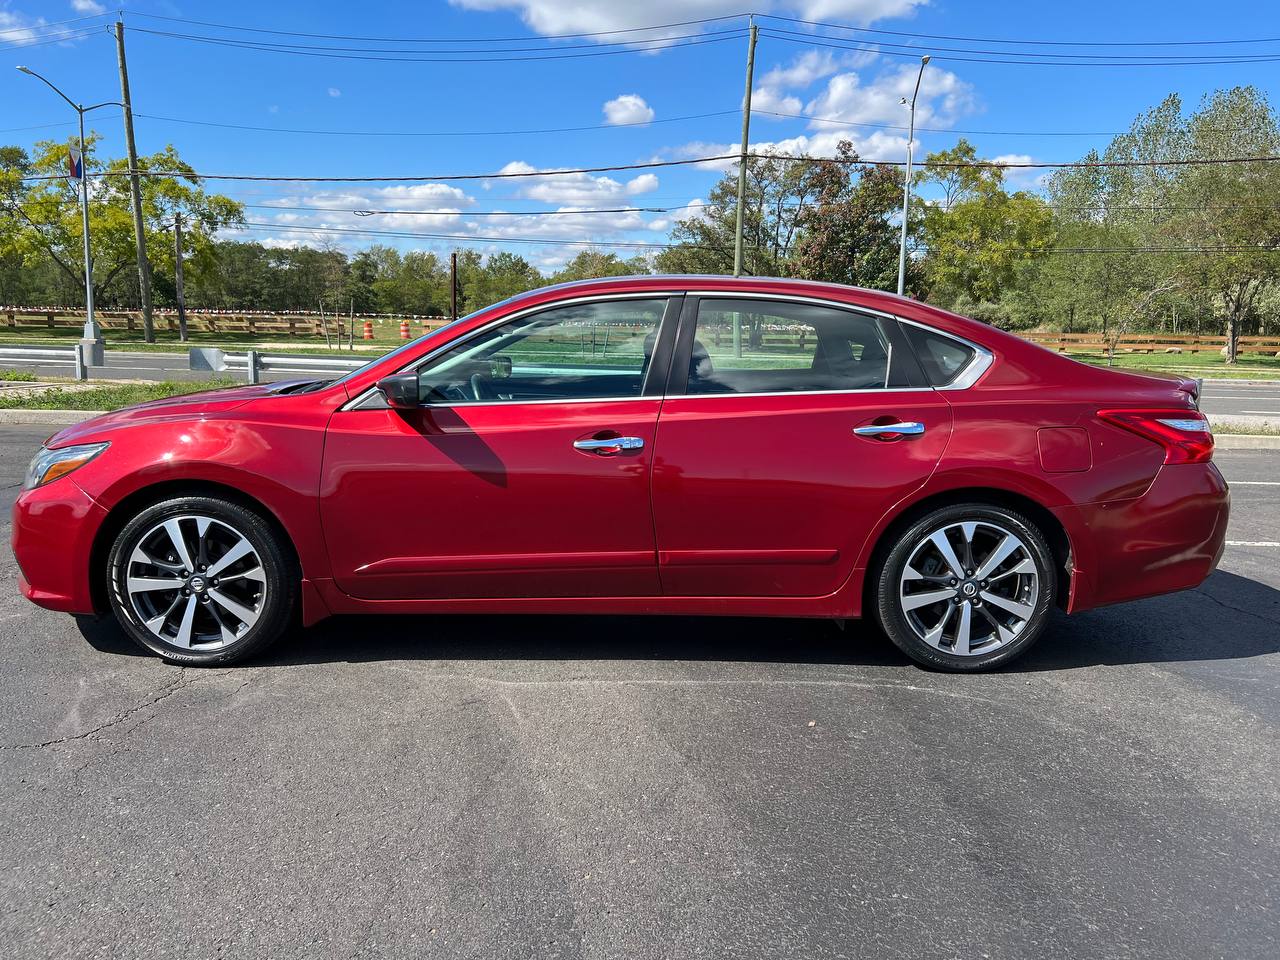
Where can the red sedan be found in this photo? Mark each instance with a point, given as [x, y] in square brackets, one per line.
[657, 445]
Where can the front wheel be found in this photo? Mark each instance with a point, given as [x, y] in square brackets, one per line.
[967, 587]
[201, 581]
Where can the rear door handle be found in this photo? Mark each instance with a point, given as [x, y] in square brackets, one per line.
[911, 428]
[609, 445]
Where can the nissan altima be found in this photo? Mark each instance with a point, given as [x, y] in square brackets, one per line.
[645, 445]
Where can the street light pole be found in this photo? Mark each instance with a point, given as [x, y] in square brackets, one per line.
[92, 332]
[906, 188]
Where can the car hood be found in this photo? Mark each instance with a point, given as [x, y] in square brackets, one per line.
[185, 407]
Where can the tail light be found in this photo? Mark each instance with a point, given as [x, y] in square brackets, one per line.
[1184, 434]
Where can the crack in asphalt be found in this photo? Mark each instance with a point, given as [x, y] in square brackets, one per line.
[1227, 606]
[159, 696]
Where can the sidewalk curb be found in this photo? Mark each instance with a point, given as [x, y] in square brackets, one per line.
[1246, 441]
[52, 417]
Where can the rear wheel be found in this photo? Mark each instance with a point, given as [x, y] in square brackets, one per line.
[200, 580]
[967, 587]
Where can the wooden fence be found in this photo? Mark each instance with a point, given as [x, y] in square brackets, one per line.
[1151, 343]
[257, 324]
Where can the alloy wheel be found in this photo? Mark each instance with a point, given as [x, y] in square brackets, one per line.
[196, 582]
[969, 587]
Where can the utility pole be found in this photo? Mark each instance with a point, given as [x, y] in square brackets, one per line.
[177, 277]
[453, 285]
[906, 187]
[742, 157]
[135, 193]
[92, 343]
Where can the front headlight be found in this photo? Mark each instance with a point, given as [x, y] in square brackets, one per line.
[48, 465]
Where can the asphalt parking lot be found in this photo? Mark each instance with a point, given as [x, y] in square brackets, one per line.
[653, 788]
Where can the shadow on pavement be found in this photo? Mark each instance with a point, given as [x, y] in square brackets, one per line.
[1230, 617]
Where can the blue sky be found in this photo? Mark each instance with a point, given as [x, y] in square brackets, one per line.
[633, 101]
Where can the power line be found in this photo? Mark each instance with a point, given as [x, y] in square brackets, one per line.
[497, 57]
[1051, 43]
[539, 48]
[51, 23]
[332, 36]
[806, 40]
[363, 212]
[437, 133]
[932, 49]
[257, 225]
[45, 39]
[654, 164]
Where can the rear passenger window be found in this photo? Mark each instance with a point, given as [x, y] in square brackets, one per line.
[941, 357]
[762, 346]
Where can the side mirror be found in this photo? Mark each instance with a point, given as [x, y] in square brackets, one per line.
[401, 391]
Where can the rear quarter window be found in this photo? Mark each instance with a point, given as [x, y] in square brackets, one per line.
[941, 357]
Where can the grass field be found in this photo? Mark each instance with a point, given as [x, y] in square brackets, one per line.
[1247, 366]
[110, 397]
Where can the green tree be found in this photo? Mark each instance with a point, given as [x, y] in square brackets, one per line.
[978, 236]
[44, 215]
[590, 264]
[777, 195]
[847, 234]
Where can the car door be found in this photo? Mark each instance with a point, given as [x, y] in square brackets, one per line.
[790, 428]
[525, 471]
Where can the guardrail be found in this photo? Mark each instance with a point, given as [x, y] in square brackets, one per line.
[254, 364]
[72, 356]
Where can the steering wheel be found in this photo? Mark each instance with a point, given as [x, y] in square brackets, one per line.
[477, 387]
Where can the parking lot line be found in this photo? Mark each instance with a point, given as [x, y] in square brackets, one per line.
[1253, 543]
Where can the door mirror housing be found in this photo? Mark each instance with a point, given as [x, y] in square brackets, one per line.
[401, 391]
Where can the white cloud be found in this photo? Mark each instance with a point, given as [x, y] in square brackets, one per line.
[549, 17]
[629, 108]
[88, 7]
[577, 189]
[335, 92]
[943, 97]
[17, 28]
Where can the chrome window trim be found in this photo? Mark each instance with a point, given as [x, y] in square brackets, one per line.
[967, 377]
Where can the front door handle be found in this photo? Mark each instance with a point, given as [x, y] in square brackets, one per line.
[888, 430]
[609, 446]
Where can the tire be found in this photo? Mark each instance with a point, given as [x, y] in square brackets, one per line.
[1003, 594]
[218, 610]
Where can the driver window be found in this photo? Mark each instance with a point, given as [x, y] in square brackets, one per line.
[580, 351]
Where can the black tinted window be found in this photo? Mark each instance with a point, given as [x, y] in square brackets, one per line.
[941, 357]
[763, 346]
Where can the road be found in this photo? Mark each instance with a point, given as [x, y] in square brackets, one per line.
[496, 787]
[1242, 399]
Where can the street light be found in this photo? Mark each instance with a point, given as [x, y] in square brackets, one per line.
[906, 189]
[92, 332]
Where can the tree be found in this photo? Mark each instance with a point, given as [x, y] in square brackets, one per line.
[46, 220]
[777, 194]
[847, 233]
[590, 264]
[978, 236]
